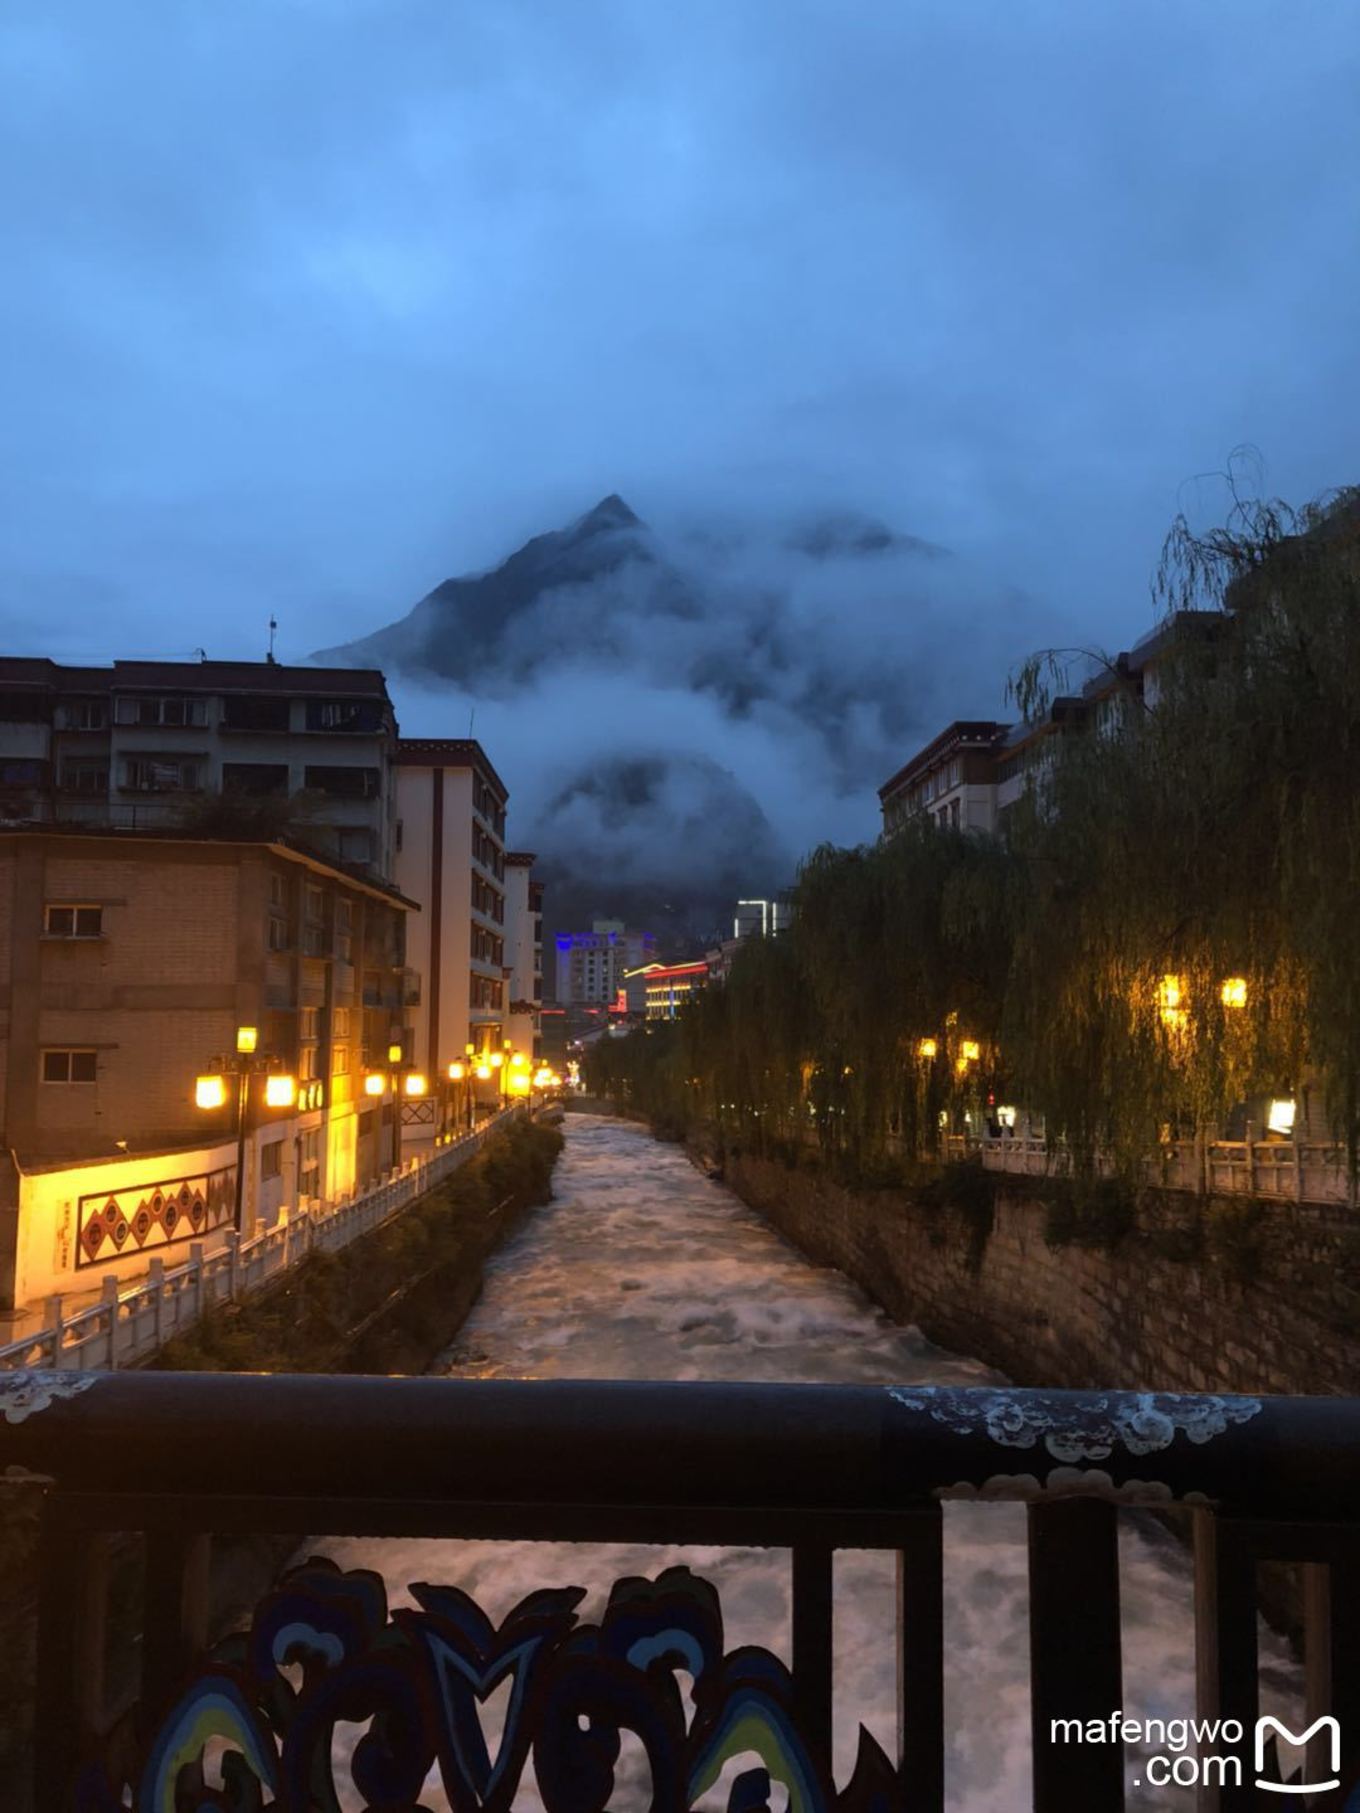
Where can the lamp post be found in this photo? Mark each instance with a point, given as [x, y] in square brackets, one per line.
[210, 1092]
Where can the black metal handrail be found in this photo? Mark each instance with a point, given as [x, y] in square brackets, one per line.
[812, 1468]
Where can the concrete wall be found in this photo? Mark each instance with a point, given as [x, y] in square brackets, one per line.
[1082, 1317]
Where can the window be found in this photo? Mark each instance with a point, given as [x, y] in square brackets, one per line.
[314, 902]
[356, 845]
[23, 771]
[398, 836]
[260, 712]
[255, 777]
[157, 774]
[345, 715]
[342, 1022]
[344, 930]
[343, 783]
[85, 777]
[278, 933]
[149, 713]
[309, 1020]
[271, 1159]
[85, 714]
[74, 922]
[954, 813]
[368, 1123]
[68, 1066]
[25, 707]
[308, 1070]
[340, 1065]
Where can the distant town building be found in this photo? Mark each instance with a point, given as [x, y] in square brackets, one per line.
[671, 986]
[128, 961]
[591, 966]
[139, 744]
[761, 918]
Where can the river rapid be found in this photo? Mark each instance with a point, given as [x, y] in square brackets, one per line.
[643, 1268]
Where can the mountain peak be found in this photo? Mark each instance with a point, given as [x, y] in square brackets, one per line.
[610, 513]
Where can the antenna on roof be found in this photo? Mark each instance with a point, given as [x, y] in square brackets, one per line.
[273, 630]
[202, 653]
[472, 715]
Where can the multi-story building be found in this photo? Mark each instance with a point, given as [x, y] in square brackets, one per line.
[591, 966]
[671, 986]
[143, 744]
[524, 952]
[952, 780]
[128, 962]
[450, 837]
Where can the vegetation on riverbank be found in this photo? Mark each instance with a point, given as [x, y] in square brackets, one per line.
[1165, 929]
[388, 1302]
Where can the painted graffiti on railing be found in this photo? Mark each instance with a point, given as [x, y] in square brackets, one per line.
[126, 1326]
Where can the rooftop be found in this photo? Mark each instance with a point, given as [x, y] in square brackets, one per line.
[964, 733]
[448, 752]
[193, 676]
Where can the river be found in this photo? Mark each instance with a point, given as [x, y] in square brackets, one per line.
[643, 1268]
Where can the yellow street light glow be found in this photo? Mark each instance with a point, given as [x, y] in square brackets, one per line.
[961, 1066]
[469, 1050]
[414, 1083]
[483, 1072]
[456, 1072]
[247, 1037]
[970, 1051]
[926, 1048]
[394, 1054]
[497, 1059]
[519, 1060]
[1234, 991]
[210, 1091]
[1169, 991]
[374, 1083]
[280, 1091]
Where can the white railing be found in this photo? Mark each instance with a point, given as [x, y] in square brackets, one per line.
[1279, 1169]
[126, 1326]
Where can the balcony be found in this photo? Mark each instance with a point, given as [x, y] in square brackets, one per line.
[807, 1469]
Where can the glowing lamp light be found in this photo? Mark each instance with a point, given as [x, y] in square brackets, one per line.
[210, 1091]
[456, 1072]
[1234, 992]
[1280, 1117]
[497, 1059]
[374, 1083]
[970, 1051]
[469, 1050]
[247, 1038]
[961, 1066]
[518, 1061]
[414, 1083]
[394, 1054]
[280, 1091]
[483, 1072]
[926, 1048]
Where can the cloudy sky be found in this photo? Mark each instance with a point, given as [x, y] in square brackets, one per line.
[311, 303]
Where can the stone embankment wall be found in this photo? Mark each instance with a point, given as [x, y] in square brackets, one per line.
[1195, 1296]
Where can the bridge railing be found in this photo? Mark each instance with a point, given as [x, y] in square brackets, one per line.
[177, 1458]
[128, 1324]
[1285, 1170]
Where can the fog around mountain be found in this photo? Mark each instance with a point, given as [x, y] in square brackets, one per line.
[681, 714]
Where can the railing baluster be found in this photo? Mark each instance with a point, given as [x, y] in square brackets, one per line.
[73, 1577]
[812, 1612]
[175, 1608]
[920, 1662]
[1331, 1653]
[1225, 1645]
[1075, 1666]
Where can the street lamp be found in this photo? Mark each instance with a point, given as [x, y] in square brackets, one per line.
[210, 1092]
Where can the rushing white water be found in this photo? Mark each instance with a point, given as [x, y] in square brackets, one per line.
[642, 1268]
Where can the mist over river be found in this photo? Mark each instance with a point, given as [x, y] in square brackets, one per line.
[643, 1268]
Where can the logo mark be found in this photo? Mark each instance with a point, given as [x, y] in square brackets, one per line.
[1268, 1724]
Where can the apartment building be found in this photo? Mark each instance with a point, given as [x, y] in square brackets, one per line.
[592, 966]
[129, 961]
[671, 986]
[524, 952]
[450, 838]
[952, 780]
[142, 745]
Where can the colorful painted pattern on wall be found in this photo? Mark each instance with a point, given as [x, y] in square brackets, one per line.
[147, 1216]
[325, 1655]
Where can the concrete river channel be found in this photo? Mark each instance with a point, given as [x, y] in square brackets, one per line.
[644, 1268]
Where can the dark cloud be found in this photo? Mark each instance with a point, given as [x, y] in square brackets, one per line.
[312, 303]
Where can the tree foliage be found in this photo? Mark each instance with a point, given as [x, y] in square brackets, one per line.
[1201, 833]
